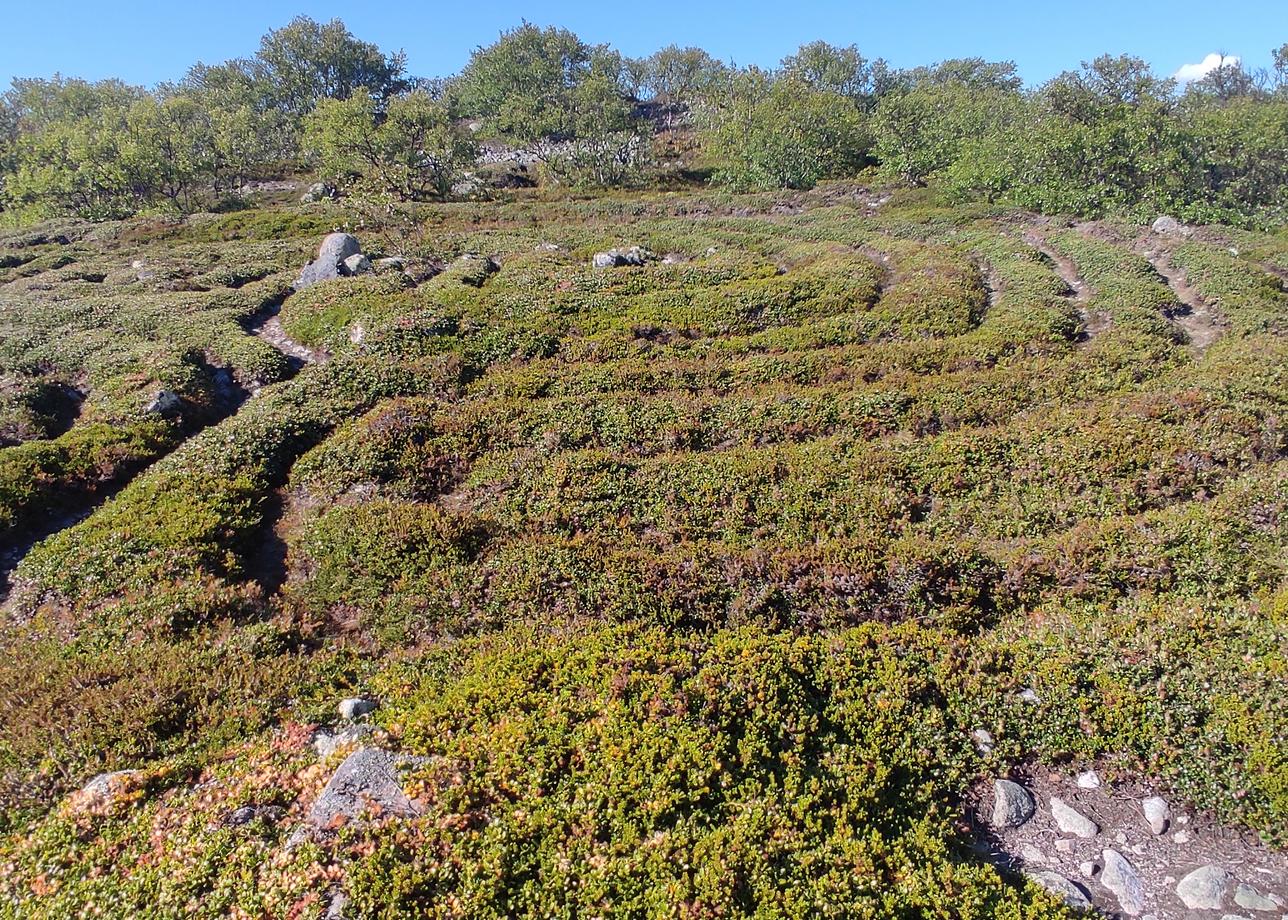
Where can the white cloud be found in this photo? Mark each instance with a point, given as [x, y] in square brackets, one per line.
[1191, 72]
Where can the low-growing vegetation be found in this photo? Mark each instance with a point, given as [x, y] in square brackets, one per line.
[700, 550]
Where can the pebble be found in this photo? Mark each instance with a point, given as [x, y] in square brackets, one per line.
[1072, 821]
[1089, 779]
[1122, 879]
[1249, 898]
[1087, 868]
[1012, 804]
[1157, 813]
[1120, 837]
[1182, 837]
[1204, 888]
[1028, 696]
[1057, 884]
[355, 707]
[1031, 854]
[1064, 845]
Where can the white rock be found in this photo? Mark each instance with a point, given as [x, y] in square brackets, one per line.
[983, 741]
[1088, 779]
[1087, 868]
[1250, 898]
[1122, 879]
[1062, 887]
[1012, 804]
[1182, 837]
[1157, 813]
[1167, 226]
[1064, 845]
[355, 707]
[1028, 696]
[1072, 821]
[1204, 889]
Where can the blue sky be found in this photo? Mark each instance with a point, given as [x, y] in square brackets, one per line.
[145, 42]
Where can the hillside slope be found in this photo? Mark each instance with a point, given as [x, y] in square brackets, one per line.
[720, 585]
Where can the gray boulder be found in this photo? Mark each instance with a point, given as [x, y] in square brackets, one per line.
[335, 249]
[1071, 892]
[1168, 226]
[614, 258]
[1122, 879]
[1204, 889]
[368, 782]
[1012, 804]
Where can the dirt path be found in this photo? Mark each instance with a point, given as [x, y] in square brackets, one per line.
[1094, 322]
[267, 325]
[1198, 321]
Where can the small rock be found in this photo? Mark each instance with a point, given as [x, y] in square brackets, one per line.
[1124, 882]
[165, 402]
[1205, 888]
[1250, 898]
[1087, 868]
[1167, 226]
[327, 743]
[103, 791]
[1120, 837]
[548, 247]
[354, 707]
[1064, 845]
[1012, 804]
[1157, 813]
[391, 263]
[1031, 854]
[357, 332]
[1072, 821]
[1088, 779]
[356, 264]
[674, 258]
[1072, 893]
[983, 741]
[1182, 837]
[1028, 696]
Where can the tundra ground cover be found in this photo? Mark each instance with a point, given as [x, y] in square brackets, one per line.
[690, 581]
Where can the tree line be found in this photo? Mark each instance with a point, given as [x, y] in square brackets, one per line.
[1108, 138]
